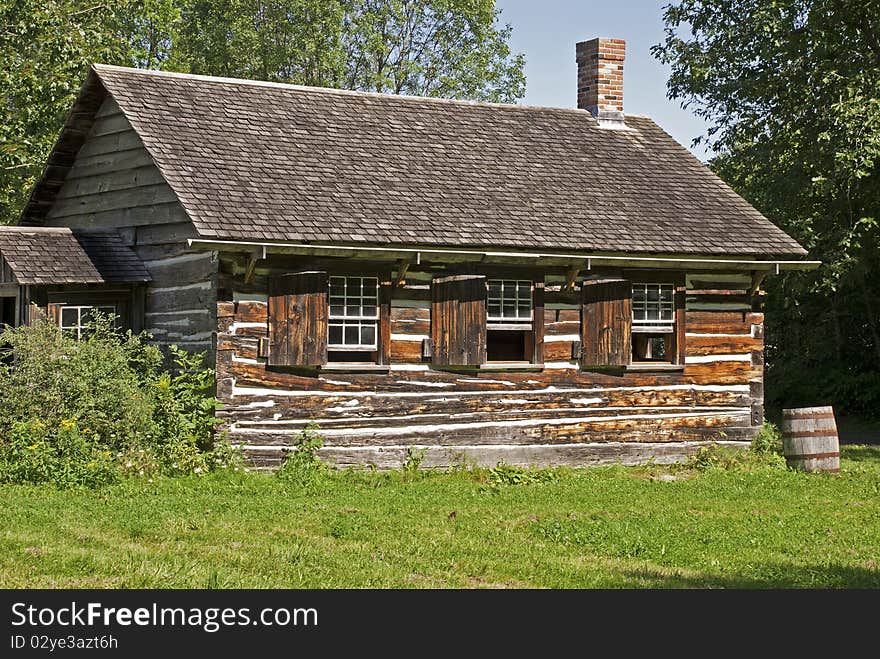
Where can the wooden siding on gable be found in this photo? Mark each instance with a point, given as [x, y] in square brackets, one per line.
[115, 184]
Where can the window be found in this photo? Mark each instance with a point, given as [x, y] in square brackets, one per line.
[354, 316]
[510, 300]
[74, 319]
[509, 335]
[653, 322]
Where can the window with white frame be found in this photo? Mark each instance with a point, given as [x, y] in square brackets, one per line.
[509, 336]
[74, 319]
[509, 301]
[653, 325]
[354, 313]
[653, 307]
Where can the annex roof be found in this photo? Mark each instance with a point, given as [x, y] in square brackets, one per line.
[44, 255]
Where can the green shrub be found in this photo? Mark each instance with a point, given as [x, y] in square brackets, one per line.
[66, 455]
[88, 412]
[505, 474]
[768, 440]
[301, 466]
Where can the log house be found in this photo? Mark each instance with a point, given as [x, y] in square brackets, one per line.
[478, 282]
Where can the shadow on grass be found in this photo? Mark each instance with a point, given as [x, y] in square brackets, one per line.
[766, 576]
[870, 454]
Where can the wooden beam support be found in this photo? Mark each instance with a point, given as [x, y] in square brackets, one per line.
[757, 279]
[255, 256]
[571, 276]
[402, 269]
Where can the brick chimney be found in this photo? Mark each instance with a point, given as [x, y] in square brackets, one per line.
[600, 78]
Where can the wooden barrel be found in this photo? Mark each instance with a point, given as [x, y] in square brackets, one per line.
[809, 439]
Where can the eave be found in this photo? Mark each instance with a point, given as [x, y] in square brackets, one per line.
[586, 261]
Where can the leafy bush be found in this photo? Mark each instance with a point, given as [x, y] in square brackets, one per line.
[505, 474]
[765, 452]
[301, 465]
[768, 440]
[87, 412]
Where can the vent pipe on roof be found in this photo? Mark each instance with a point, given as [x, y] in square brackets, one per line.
[600, 79]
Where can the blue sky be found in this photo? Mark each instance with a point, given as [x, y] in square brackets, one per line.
[547, 30]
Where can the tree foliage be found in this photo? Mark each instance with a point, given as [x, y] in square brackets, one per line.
[446, 48]
[791, 89]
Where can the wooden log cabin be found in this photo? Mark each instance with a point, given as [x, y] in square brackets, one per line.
[475, 282]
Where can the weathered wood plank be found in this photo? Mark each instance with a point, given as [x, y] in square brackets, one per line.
[587, 454]
[146, 195]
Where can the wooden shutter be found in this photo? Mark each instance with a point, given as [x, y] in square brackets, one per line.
[298, 316]
[606, 322]
[53, 312]
[458, 320]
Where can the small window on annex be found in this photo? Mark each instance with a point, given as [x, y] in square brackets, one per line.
[74, 319]
[653, 325]
[509, 330]
[354, 319]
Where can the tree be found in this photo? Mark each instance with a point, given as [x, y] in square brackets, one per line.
[297, 41]
[791, 89]
[46, 47]
[448, 48]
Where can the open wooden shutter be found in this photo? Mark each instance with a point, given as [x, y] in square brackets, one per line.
[298, 316]
[458, 320]
[53, 312]
[606, 322]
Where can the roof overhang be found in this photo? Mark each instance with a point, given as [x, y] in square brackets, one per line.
[418, 255]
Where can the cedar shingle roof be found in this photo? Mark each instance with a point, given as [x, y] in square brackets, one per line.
[261, 161]
[61, 256]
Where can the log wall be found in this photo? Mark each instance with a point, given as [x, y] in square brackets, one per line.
[561, 414]
[114, 184]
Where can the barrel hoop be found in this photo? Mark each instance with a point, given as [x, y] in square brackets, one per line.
[822, 432]
[812, 415]
[812, 456]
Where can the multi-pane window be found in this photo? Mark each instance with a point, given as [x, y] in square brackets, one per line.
[75, 319]
[509, 301]
[653, 307]
[354, 313]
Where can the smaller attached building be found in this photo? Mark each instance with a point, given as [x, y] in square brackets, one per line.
[66, 273]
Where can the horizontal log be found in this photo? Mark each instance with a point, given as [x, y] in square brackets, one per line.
[513, 421]
[722, 322]
[200, 295]
[339, 402]
[251, 312]
[557, 351]
[406, 352]
[575, 455]
[715, 373]
[721, 345]
[178, 269]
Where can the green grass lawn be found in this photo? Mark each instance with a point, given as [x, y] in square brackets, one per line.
[754, 526]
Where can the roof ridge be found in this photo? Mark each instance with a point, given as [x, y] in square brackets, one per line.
[344, 92]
